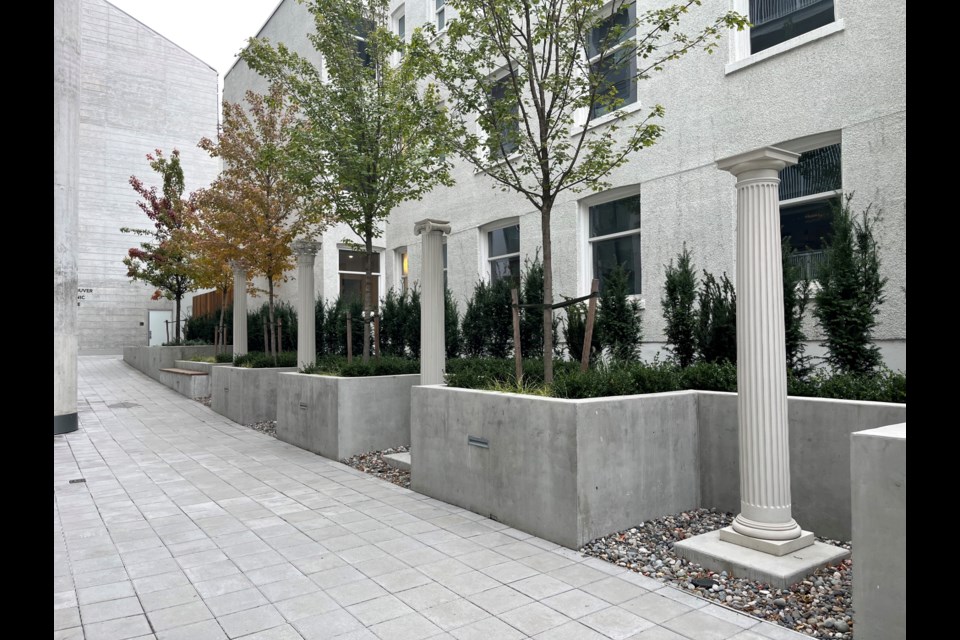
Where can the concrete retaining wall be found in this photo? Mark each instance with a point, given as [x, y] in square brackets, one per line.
[573, 470]
[819, 455]
[340, 417]
[149, 360]
[246, 396]
[206, 367]
[878, 470]
[564, 470]
[191, 386]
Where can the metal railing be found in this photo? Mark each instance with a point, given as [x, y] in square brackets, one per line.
[763, 11]
[809, 262]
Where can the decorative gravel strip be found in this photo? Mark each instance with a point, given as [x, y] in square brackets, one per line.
[206, 401]
[372, 462]
[269, 427]
[820, 606]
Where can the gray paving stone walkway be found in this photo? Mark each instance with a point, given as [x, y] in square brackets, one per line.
[188, 526]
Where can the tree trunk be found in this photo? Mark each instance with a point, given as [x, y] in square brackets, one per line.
[268, 337]
[367, 298]
[177, 324]
[223, 310]
[547, 292]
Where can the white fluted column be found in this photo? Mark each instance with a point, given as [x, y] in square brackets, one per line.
[66, 176]
[433, 348]
[306, 251]
[765, 509]
[239, 308]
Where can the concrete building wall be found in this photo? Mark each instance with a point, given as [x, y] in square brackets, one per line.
[139, 92]
[849, 85]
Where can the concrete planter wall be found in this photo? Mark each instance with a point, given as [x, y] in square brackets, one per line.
[149, 360]
[340, 417]
[565, 470]
[572, 470]
[246, 396]
[206, 367]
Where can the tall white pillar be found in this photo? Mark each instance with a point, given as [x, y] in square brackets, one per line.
[433, 350]
[66, 176]
[306, 251]
[765, 522]
[239, 308]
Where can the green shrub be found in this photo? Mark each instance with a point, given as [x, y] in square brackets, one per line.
[285, 312]
[207, 359]
[796, 296]
[196, 342]
[883, 385]
[412, 323]
[488, 321]
[709, 376]
[203, 327]
[717, 320]
[393, 323]
[261, 360]
[335, 328]
[481, 373]
[574, 333]
[618, 317]
[451, 320]
[851, 292]
[531, 318]
[385, 366]
[223, 357]
[679, 314]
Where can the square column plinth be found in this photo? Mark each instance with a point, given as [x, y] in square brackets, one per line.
[779, 571]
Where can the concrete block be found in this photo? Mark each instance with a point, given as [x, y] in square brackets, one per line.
[399, 461]
[878, 470]
[192, 384]
[778, 571]
[246, 396]
[340, 417]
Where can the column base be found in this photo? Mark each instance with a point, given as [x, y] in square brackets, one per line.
[773, 547]
[779, 572]
[66, 423]
[766, 531]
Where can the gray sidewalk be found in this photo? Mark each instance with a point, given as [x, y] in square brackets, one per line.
[191, 526]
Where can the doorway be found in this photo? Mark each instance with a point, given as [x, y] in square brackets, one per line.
[157, 330]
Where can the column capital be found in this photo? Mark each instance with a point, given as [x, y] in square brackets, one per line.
[762, 159]
[304, 247]
[237, 265]
[430, 225]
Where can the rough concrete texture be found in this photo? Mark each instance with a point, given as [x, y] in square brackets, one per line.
[573, 470]
[779, 572]
[205, 367]
[565, 470]
[149, 360]
[246, 396]
[819, 455]
[340, 417]
[399, 461]
[192, 385]
[878, 469]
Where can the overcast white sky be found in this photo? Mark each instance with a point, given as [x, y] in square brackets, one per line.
[213, 30]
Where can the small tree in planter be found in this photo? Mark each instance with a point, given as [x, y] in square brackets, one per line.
[531, 319]
[574, 332]
[679, 296]
[165, 260]
[488, 321]
[851, 291]
[618, 317]
[717, 320]
[523, 79]
[451, 320]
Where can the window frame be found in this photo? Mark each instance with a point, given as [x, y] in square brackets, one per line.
[589, 119]
[437, 13]
[379, 274]
[403, 274]
[585, 242]
[486, 270]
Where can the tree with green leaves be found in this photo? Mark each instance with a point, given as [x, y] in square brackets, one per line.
[164, 261]
[374, 133]
[851, 291]
[256, 207]
[618, 317]
[796, 297]
[679, 313]
[524, 78]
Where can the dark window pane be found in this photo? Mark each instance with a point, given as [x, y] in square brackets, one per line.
[618, 73]
[356, 261]
[807, 224]
[817, 171]
[351, 288]
[444, 255]
[503, 241]
[613, 29]
[616, 216]
[776, 21]
[402, 27]
[510, 124]
[505, 268]
[441, 18]
[607, 254]
[441, 3]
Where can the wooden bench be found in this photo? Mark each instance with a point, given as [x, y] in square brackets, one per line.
[186, 382]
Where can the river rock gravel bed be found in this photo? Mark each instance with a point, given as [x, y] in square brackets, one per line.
[820, 606]
[372, 462]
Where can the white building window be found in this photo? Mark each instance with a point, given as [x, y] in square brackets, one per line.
[809, 191]
[776, 21]
[403, 269]
[508, 123]
[400, 23]
[500, 242]
[612, 53]
[441, 14]
[353, 267]
[613, 237]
